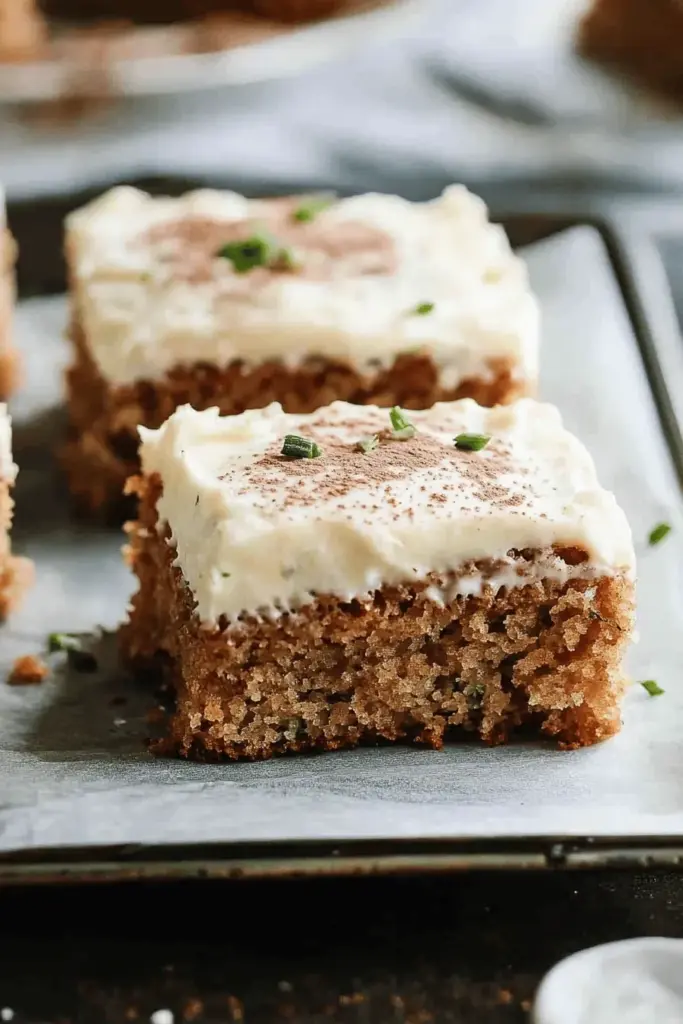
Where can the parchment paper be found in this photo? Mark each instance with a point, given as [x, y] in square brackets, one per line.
[74, 769]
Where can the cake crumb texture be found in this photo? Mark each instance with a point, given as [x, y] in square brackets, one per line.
[543, 658]
[26, 670]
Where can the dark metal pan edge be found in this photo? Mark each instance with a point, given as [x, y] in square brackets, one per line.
[342, 859]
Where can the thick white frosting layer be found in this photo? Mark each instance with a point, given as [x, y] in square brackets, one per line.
[8, 469]
[258, 533]
[140, 318]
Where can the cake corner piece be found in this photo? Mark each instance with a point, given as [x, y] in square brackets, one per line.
[315, 581]
[215, 299]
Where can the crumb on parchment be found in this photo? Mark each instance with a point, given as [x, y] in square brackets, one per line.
[28, 669]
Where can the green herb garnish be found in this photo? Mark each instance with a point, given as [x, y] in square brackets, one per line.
[475, 693]
[310, 208]
[471, 442]
[651, 687]
[402, 427]
[63, 642]
[259, 250]
[658, 533]
[424, 308]
[368, 444]
[78, 658]
[295, 447]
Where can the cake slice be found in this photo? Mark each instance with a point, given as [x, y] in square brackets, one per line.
[216, 300]
[315, 581]
[8, 354]
[15, 573]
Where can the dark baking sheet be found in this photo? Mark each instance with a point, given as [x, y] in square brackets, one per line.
[82, 798]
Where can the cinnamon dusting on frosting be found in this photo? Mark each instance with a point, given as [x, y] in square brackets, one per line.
[150, 291]
[269, 533]
[343, 468]
[188, 247]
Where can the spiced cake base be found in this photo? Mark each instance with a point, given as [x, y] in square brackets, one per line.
[543, 657]
[102, 444]
[642, 38]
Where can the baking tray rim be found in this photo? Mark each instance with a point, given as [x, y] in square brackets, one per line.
[321, 858]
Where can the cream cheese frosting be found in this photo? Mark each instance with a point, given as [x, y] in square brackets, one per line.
[150, 291]
[258, 533]
[8, 469]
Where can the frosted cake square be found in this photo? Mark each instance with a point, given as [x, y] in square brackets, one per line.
[216, 300]
[313, 581]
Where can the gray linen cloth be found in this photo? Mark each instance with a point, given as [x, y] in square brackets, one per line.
[483, 89]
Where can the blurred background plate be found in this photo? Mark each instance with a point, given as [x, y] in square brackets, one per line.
[151, 61]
